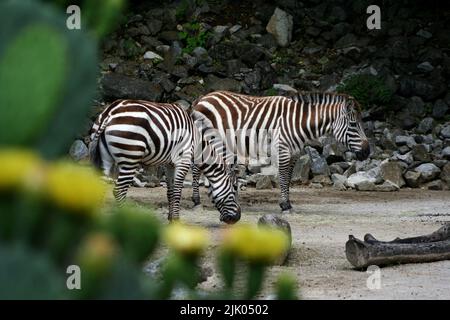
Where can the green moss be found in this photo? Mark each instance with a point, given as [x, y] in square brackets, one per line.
[367, 89]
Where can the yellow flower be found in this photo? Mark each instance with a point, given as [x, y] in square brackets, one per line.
[97, 252]
[189, 240]
[75, 187]
[255, 244]
[16, 166]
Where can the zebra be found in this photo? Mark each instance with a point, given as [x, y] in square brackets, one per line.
[242, 123]
[129, 134]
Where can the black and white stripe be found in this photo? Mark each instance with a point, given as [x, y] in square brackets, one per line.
[248, 126]
[129, 134]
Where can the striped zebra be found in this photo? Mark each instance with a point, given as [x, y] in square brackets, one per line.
[129, 134]
[244, 126]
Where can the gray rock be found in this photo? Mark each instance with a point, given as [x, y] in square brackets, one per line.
[360, 178]
[79, 151]
[154, 26]
[425, 67]
[392, 171]
[117, 86]
[150, 55]
[445, 132]
[445, 174]
[339, 181]
[407, 157]
[434, 185]
[440, 108]
[274, 221]
[420, 153]
[302, 167]
[387, 186]
[281, 26]
[284, 88]
[405, 140]
[335, 168]
[424, 34]
[446, 153]
[318, 163]
[322, 179]
[428, 171]
[214, 83]
[263, 182]
[426, 125]
[365, 186]
[412, 179]
[333, 152]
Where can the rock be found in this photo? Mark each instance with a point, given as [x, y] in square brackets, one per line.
[318, 163]
[428, 89]
[434, 185]
[445, 132]
[150, 55]
[446, 153]
[322, 179]
[425, 67]
[365, 186]
[335, 168]
[428, 171]
[387, 186]
[117, 86]
[214, 83]
[79, 151]
[424, 34]
[154, 26]
[407, 157]
[281, 25]
[301, 170]
[426, 125]
[392, 171]
[337, 14]
[412, 179]
[333, 152]
[284, 88]
[440, 108]
[445, 174]
[263, 182]
[405, 140]
[420, 153]
[339, 181]
[274, 221]
[360, 178]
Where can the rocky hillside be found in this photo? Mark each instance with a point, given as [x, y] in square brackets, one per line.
[177, 51]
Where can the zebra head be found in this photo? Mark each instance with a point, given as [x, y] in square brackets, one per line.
[224, 195]
[348, 129]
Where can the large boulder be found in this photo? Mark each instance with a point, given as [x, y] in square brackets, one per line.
[118, 86]
[428, 171]
[318, 163]
[392, 171]
[412, 179]
[281, 25]
[362, 180]
[420, 153]
[302, 167]
[445, 132]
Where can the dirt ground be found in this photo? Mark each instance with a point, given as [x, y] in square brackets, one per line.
[320, 227]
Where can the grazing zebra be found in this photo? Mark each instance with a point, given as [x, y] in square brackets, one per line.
[133, 133]
[245, 125]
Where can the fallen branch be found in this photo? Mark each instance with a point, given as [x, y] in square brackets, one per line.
[428, 248]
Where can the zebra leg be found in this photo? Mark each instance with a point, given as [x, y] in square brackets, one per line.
[124, 180]
[195, 185]
[285, 173]
[170, 170]
[180, 172]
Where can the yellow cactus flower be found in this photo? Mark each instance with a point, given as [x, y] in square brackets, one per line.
[97, 252]
[189, 240]
[15, 166]
[75, 187]
[255, 244]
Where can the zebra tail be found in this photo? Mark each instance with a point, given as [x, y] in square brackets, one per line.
[94, 148]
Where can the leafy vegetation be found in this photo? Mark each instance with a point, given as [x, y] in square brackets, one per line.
[367, 89]
[193, 36]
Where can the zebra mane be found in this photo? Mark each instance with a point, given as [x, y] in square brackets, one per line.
[316, 97]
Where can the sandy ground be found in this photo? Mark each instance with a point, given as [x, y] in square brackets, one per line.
[320, 227]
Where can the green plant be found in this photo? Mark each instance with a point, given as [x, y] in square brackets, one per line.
[271, 92]
[193, 36]
[367, 89]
